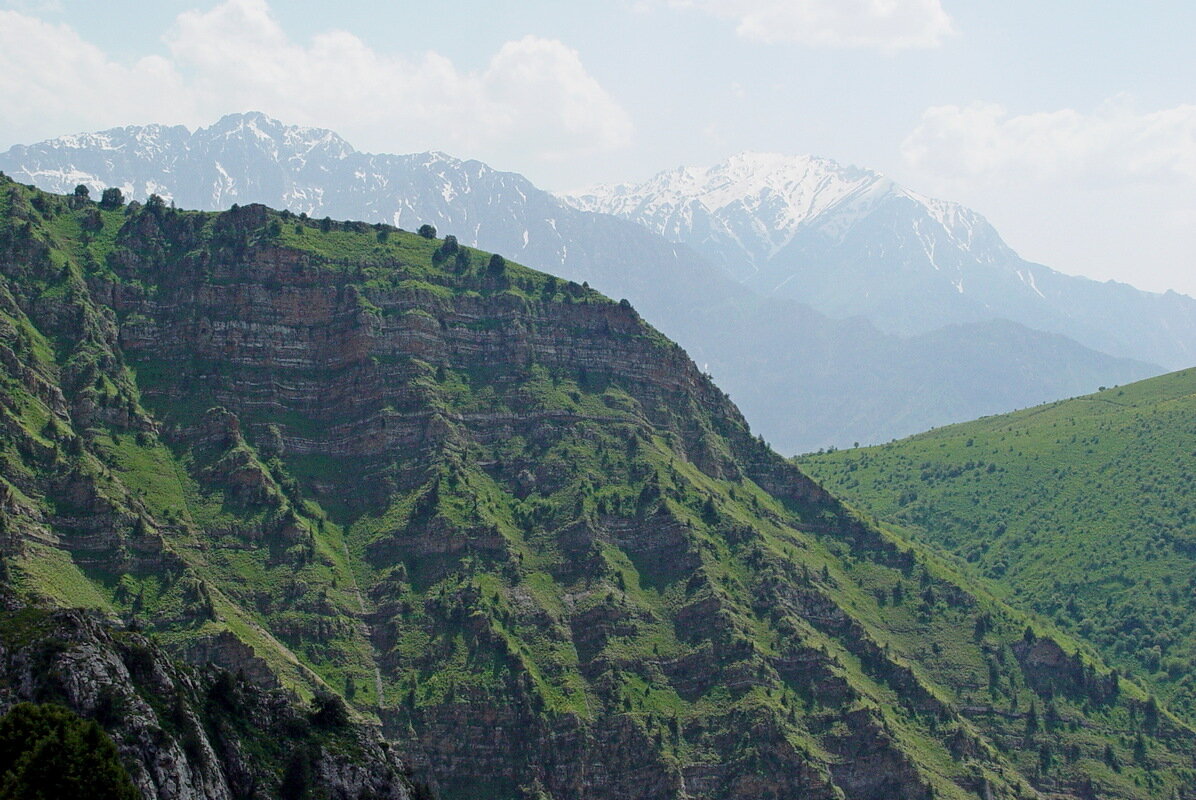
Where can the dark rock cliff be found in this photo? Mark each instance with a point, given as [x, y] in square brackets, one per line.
[187, 733]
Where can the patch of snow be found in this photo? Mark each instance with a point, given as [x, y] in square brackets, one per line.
[1027, 277]
[153, 187]
[226, 187]
[62, 180]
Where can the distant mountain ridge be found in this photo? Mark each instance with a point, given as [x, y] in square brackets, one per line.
[804, 380]
[245, 158]
[850, 241]
[747, 209]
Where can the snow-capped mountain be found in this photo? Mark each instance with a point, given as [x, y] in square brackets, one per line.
[852, 242]
[745, 211]
[251, 158]
[803, 380]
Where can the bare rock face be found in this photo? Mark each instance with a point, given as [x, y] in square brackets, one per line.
[225, 651]
[183, 734]
[349, 361]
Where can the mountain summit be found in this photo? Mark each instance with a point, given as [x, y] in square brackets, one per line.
[746, 209]
[850, 241]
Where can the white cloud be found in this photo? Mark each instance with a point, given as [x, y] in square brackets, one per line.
[534, 93]
[51, 79]
[1113, 144]
[1108, 193]
[887, 25]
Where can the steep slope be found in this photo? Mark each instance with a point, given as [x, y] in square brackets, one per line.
[185, 733]
[505, 516]
[746, 341]
[1081, 510]
[849, 242]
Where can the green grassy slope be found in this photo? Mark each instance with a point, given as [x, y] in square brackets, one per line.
[506, 518]
[1083, 510]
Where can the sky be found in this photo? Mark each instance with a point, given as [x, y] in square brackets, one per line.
[1070, 125]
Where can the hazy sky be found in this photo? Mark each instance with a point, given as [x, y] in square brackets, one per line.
[1070, 125]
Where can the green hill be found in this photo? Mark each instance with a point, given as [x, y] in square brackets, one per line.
[505, 519]
[1083, 510]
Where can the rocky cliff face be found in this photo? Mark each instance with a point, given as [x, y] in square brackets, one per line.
[184, 733]
[497, 512]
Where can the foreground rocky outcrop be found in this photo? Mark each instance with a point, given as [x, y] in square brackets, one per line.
[185, 733]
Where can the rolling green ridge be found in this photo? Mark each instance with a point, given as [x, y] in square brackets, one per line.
[504, 519]
[1083, 510]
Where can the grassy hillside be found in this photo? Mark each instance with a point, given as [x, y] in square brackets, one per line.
[1083, 510]
[501, 515]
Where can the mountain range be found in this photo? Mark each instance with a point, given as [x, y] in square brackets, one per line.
[850, 241]
[805, 377]
[488, 512]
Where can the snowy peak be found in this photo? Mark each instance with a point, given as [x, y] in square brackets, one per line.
[851, 242]
[748, 209]
[96, 158]
[779, 192]
[252, 157]
[786, 192]
[142, 141]
[805, 184]
[798, 188]
[846, 240]
[752, 206]
[281, 140]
